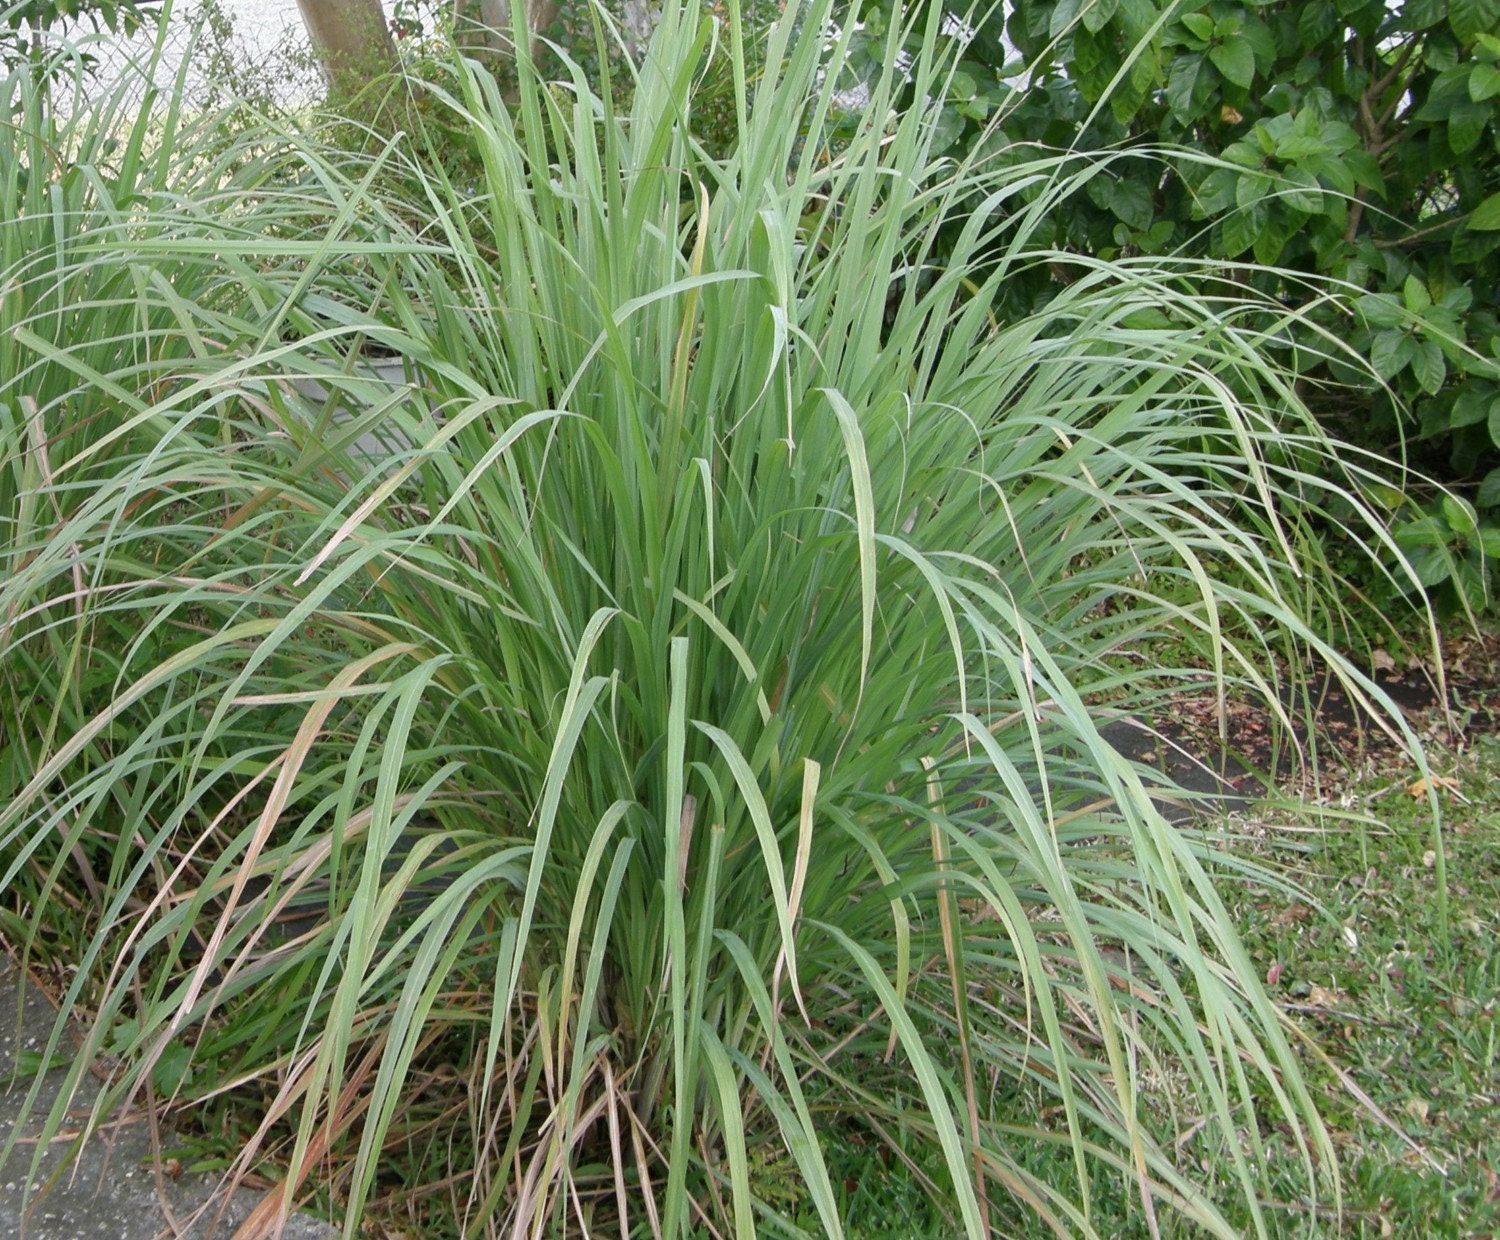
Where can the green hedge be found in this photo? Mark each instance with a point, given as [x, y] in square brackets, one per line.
[1352, 141]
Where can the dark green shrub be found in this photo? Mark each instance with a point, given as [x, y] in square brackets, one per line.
[1349, 149]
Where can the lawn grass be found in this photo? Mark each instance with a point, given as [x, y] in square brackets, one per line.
[1359, 961]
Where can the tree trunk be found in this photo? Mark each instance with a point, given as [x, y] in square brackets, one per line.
[352, 40]
[482, 27]
[639, 19]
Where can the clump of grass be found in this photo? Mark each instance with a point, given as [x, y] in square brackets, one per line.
[673, 745]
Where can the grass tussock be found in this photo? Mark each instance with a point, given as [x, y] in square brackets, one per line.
[593, 782]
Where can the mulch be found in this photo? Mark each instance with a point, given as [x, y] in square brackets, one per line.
[1332, 736]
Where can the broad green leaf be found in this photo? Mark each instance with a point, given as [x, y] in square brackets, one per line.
[1470, 579]
[1159, 236]
[1247, 153]
[1424, 14]
[1216, 194]
[1484, 82]
[1237, 232]
[1432, 565]
[1199, 25]
[1130, 200]
[1448, 89]
[1097, 14]
[1094, 62]
[1365, 169]
[1182, 83]
[1424, 532]
[1064, 14]
[949, 128]
[1460, 515]
[1488, 495]
[1314, 21]
[173, 1069]
[1415, 295]
[1456, 299]
[1486, 216]
[1235, 59]
[1470, 247]
[1138, 17]
[1302, 192]
[1252, 188]
[1381, 310]
[1131, 94]
[1472, 405]
[1390, 352]
[1471, 17]
[1270, 240]
[1338, 136]
[1429, 367]
[1466, 125]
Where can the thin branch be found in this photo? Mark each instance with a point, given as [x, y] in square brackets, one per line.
[1379, 86]
[1392, 242]
[1374, 127]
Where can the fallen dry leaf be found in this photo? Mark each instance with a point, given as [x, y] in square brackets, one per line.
[1419, 788]
[1417, 1108]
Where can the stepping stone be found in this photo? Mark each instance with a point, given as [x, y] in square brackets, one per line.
[1214, 783]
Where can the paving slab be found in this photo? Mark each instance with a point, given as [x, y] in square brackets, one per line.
[1215, 784]
[112, 1191]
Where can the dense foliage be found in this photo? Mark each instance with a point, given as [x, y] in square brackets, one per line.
[1351, 145]
[653, 745]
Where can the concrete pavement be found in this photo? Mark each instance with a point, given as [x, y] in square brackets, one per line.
[112, 1192]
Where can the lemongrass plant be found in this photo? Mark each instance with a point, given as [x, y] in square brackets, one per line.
[678, 758]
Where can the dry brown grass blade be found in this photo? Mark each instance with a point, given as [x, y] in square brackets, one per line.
[269, 1218]
[638, 1139]
[290, 764]
[616, 1148]
[811, 773]
[549, 1171]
